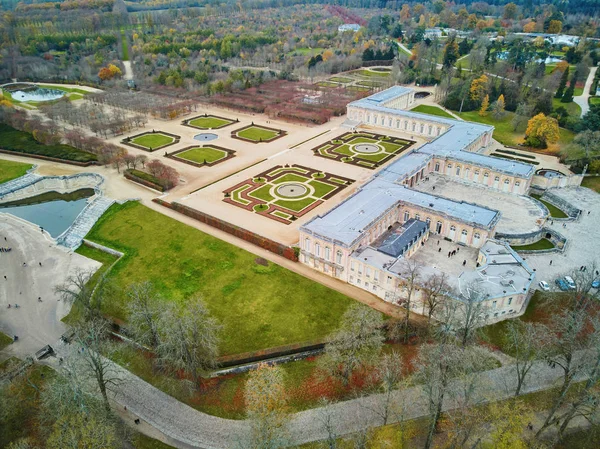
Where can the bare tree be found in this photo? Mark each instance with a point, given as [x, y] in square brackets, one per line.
[77, 290]
[356, 343]
[524, 341]
[388, 372]
[95, 365]
[411, 273]
[435, 290]
[144, 313]
[327, 419]
[266, 406]
[462, 315]
[188, 339]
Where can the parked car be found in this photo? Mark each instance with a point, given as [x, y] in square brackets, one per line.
[562, 284]
[570, 282]
[596, 283]
[544, 286]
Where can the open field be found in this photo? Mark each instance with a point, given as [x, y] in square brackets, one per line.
[12, 170]
[259, 306]
[572, 108]
[364, 149]
[371, 73]
[431, 110]
[284, 194]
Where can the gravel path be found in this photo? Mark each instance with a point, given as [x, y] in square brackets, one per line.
[582, 100]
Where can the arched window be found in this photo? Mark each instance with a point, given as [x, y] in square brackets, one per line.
[506, 181]
[327, 253]
[428, 221]
[517, 183]
[477, 172]
[422, 128]
[338, 257]
[317, 250]
[496, 178]
[397, 123]
[307, 244]
[437, 166]
[406, 216]
[417, 217]
[439, 130]
[464, 232]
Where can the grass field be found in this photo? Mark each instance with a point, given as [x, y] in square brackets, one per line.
[555, 212]
[594, 100]
[258, 306]
[341, 79]
[209, 122]
[369, 83]
[572, 108]
[591, 182]
[23, 142]
[153, 141]
[431, 110]
[12, 170]
[124, 47]
[371, 73]
[257, 133]
[202, 154]
[503, 129]
[65, 89]
[539, 245]
[5, 340]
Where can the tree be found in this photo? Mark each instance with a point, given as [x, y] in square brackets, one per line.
[356, 343]
[188, 339]
[388, 372]
[589, 141]
[78, 290]
[478, 89]
[410, 281]
[524, 342]
[144, 313]
[499, 107]
[563, 83]
[266, 407]
[554, 27]
[83, 431]
[510, 11]
[485, 104]
[92, 337]
[435, 290]
[541, 131]
[450, 52]
[508, 421]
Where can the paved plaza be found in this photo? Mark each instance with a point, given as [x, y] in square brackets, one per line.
[520, 214]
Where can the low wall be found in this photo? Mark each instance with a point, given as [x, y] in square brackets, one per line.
[572, 211]
[558, 240]
[103, 248]
[60, 184]
[244, 234]
[556, 182]
[48, 158]
[128, 175]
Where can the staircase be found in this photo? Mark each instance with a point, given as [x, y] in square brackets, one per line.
[19, 183]
[73, 236]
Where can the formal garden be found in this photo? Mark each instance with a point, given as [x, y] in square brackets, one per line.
[208, 122]
[151, 140]
[199, 156]
[364, 149]
[285, 193]
[257, 134]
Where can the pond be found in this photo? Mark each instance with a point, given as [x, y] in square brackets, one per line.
[205, 137]
[52, 211]
[38, 94]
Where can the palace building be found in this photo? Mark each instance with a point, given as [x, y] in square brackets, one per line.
[365, 239]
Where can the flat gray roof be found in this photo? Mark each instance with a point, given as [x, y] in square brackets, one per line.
[347, 222]
[401, 238]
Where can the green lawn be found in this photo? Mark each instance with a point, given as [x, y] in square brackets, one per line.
[295, 205]
[153, 141]
[539, 245]
[591, 182]
[555, 212]
[431, 110]
[341, 79]
[124, 47]
[5, 340]
[23, 142]
[65, 89]
[572, 108]
[257, 133]
[202, 154]
[594, 100]
[209, 122]
[371, 73]
[321, 189]
[12, 170]
[258, 306]
[369, 83]
[73, 97]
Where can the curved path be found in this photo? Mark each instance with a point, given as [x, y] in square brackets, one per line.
[583, 99]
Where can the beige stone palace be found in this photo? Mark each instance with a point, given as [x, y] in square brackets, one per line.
[365, 239]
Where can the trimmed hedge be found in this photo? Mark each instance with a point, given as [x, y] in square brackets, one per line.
[23, 142]
[144, 178]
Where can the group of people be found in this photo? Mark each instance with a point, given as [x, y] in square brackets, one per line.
[5, 250]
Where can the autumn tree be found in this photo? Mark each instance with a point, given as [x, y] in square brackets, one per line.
[485, 104]
[266, 407]
[478, 89]
[541, 130]
[109, 72]
[508, 421]
[355, 344]
[555, 27]
[510, 11]
[499, 107]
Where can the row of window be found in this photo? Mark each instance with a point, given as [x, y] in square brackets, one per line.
[327, 252]
[359, 282]
[485, 175]
[439, 224]
[414, 126]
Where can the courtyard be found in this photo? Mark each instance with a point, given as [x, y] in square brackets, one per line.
[365, 149]
[285, 193]
[520, 214]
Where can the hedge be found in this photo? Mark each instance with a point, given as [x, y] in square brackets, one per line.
[23, 142]
[144, 178]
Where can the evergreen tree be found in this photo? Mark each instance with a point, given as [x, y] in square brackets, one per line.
[563, 83]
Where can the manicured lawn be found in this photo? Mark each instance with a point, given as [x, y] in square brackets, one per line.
[371, 73]
[555, 212]
[341, 79]
[23, 142]
[541, 244]
[594, 100]
[257, 133]
[295, 205]
[431, 110]
[12, 170]
[65, 89]
[209, 122]
[202, 154]
[258, 306]
[153, 141]
[124, 47]
[321, 189]
[5, 340]
[73, 97]
[572, 108]
[369, 83]
[591, 182]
